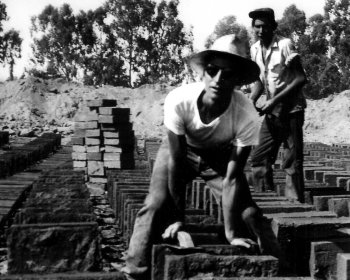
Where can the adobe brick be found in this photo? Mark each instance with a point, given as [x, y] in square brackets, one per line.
[113, 164]
[343, 266]
[94, 156]
[296, 235]
[101, 103]
[77, 140]
[112, 149]
[96, 168]
[65, 247]
[79, 156]
[86, 125]
[78, 149]
[323, 257]
[86, 116]
[92, 141]
[93, 149]
[321, 202]
[93, 133]
[178, 267]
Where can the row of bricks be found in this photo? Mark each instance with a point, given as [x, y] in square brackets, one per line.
[20, 158]
[4, 137]
[55, 231]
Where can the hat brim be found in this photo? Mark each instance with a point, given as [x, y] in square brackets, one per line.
[248, 70]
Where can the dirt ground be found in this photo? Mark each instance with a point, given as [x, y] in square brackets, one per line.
[32, 106]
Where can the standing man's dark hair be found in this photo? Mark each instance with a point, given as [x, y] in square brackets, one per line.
[266, 13]
[281, 79]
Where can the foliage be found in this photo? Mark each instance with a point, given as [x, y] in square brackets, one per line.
[12, 49]
[10, 43]
[3, 16]
[124, 42]
[293, 22]
[323, 42]
[152, 39]
[58, 44]
[227, 25]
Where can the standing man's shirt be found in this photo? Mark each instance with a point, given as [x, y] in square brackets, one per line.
[275, 72]
[238, 125]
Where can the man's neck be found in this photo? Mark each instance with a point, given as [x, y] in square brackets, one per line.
[266, 42]
[210, 109]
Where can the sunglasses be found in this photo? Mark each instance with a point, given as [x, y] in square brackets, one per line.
[213, 70]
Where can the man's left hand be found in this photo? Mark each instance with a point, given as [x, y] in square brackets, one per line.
[172, 230]
[268, 106]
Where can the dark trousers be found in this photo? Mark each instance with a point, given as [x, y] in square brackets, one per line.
[156, 214]
[275, 131]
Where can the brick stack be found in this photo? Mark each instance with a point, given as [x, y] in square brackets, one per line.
[55, 231]
[4, 137]
[103, 139]
[19, 158]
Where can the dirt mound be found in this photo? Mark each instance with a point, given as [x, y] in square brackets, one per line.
[328, 120]
[34, 106]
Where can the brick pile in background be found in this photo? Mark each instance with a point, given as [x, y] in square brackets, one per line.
[19, 158]
[4, 137]
[56, 231]
[103, 139]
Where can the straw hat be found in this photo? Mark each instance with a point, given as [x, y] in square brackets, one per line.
[235, 50]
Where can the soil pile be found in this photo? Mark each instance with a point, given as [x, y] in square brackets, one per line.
[32, 106]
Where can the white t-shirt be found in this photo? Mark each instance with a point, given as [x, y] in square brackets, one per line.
[238, 125]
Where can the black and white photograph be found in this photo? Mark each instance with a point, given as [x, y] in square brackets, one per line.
[174, 140]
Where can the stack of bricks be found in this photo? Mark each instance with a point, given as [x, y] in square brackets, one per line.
[4, 137]
[103, 139]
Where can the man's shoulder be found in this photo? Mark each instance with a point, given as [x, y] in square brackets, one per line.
[187, 89]
[184, 93]
[255, 46]
[242, 100]
[284, 41]
[241, 96]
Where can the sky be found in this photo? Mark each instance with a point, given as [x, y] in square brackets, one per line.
[202, 15]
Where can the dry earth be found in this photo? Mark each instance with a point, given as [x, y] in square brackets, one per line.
[32, 106]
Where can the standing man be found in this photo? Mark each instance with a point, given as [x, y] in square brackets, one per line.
[281, 78]
[210, 130]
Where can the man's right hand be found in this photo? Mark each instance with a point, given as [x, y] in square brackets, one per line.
[172, 230]
[245, 242]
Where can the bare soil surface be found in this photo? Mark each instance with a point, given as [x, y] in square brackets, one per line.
[32, 106]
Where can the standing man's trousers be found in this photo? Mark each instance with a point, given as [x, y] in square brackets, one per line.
[275, 131]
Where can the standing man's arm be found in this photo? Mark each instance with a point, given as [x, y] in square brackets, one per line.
[298, 81]
[257, 90]
[234, 193]
[176, 180]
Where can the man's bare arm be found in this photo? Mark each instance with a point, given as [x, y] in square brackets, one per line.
[257, 90]
[233, 194]
[298, 81]
[176, 179]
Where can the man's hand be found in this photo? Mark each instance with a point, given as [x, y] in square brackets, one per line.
[245, 242]
[172, 230]
[268, 106]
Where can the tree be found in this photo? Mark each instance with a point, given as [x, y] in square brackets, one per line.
[100, 55]
[10, 43]
[3, 16]
[152, 39]
[225, 26]
[338, 17]
[293, 22]
[12, 49]
[124, 42]
[58, 44]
